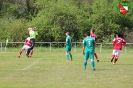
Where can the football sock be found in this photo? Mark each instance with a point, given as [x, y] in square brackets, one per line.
[31, 52]
[85, 63]
[67, 56]
[115, 59]
[92, 64]
[96, 55]
[71, 56]
[20, 52]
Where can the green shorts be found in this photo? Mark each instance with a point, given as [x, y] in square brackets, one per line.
[68, 49]
[89, 54]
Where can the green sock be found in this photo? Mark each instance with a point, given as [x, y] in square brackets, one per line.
[67, 56]
[92, 64]
[85, 63]
[71, 56]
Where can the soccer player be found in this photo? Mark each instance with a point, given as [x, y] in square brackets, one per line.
[118, 42]
[68, 47]
[26, 46]
[32, 33]
[96, 39]
[88, 47]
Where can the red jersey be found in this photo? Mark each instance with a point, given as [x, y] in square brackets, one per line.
[27, 42]
[118, 42]
[94, 36]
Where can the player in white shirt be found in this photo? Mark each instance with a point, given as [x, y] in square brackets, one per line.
[26, 46]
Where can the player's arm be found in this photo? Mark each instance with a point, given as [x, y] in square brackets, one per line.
[96, 39]
[124, 43]
[94, 45]
[113, 42]
[83, 48]
[67, 41]
[25, 42]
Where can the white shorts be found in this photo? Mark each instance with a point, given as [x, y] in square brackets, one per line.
[26, 47]
[117, 52]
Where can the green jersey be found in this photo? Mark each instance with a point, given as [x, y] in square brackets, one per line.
[33, 34]
[88, 43]
[68, 41]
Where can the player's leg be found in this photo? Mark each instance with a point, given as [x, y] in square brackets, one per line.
[86, 56]
[32, 46]
[27, 48]
[31, 52]
[117, 56]
[71, 57]
[91, 53]
[68, 54]
[96, 57]
[113, 55]
[20, 52]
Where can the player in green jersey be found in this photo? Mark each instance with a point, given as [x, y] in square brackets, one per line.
[68, 46]
[32, 33]
[88, 50]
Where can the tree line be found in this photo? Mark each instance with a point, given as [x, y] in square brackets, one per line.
[54, 17]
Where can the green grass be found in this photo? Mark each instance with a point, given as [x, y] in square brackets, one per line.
[50, 70]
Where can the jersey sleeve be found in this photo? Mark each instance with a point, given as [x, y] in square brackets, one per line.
[123, 41]
[96, 39]
[67, 40]
[113, 41]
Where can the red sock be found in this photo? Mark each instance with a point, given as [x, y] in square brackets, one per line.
[113, 56]
[20, 52]
[96, 55]
[31, 52]
[115, 59]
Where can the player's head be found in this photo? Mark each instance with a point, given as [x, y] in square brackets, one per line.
[34, 28]
[118, 35]
[67, 33]
[92, 31]
[87, 33]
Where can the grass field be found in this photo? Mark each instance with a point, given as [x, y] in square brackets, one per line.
[50, 70]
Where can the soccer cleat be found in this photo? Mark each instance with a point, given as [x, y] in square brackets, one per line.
[30, 56]
[84, 68]
[113, 63]
[112, 59]
[97, 60]
[18, 56]
[27, 55]
[93, 69]
[68, 60]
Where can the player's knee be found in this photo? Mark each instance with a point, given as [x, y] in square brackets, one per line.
[91, 60]
[67, 52]
[85, 60]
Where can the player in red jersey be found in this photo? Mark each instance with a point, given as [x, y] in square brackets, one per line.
[96, 39]
[26, 46]
[118, 43]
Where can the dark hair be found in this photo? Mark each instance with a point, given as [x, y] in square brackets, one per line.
[119, 35]
[88, 33]
[93, 30]
[68, 33]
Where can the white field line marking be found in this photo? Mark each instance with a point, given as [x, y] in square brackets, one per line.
[29, 66]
